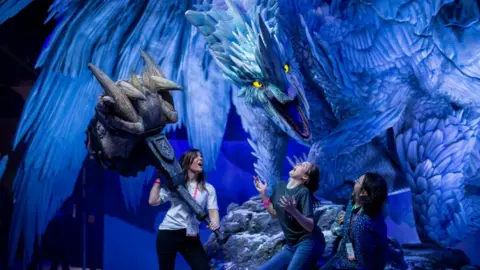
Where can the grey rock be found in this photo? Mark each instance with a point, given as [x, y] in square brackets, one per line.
[260, 222]
[326, 214]
[335, 227]
[253, 237]
[232, 227]
[231, 207]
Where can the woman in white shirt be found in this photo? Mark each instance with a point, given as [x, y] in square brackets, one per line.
[178, 231]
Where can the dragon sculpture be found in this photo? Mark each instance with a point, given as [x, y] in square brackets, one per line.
[367, 85]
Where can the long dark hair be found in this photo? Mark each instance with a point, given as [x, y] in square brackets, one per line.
[377, 190]
[186, 161]
[313, 178]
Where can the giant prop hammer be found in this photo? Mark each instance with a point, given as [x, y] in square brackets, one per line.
[125, 132]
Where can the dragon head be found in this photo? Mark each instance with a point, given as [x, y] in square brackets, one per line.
[257, 57]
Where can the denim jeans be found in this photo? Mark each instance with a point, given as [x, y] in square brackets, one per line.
[303, 255]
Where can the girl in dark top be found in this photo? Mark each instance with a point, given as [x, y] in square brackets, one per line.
[292, 204]
[364, 243]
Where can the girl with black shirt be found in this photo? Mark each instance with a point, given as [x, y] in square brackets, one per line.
[292, 204]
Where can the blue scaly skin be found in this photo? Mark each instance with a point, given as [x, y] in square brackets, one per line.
[376, 86]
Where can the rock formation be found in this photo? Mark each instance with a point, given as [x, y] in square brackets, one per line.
[254, 237]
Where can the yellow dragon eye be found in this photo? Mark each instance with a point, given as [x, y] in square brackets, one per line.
[287, 68]
[257, 84]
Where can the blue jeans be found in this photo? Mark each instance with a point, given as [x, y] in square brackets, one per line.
[303, 255]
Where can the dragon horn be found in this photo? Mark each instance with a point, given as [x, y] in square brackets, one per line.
[122, 105]
[131, 91]
[135, 81]
[153, 78]
[161, 84]
[150, 66]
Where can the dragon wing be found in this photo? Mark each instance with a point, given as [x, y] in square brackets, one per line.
[435, 40]
[108, 34]
[363, 46]
[9, 9]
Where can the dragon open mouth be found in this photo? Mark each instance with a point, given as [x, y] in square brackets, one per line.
[294, 116]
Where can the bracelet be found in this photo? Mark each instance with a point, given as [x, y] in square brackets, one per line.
[266, 203]
[157, 182]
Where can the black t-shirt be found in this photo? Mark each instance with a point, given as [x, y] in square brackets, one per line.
[293, 231]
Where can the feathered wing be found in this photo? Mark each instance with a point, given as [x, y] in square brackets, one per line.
[56, 114]
[132, 187]
[204, 104]
[206, 101]
[447, 54]
[456, 35]
[436, 39]
[108, 34]
[9, 9]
